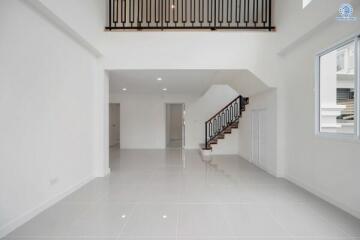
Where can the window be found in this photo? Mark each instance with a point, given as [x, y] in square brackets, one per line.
[337, 90]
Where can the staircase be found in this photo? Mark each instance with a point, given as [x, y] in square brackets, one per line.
[221, 124]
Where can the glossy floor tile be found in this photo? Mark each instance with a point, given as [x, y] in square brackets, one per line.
[174, 195]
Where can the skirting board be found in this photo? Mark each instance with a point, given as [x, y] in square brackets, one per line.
[324, 196]
[269, 171]
[17, 222]
[319, 194]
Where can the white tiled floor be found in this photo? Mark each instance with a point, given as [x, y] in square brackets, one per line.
[170, 195]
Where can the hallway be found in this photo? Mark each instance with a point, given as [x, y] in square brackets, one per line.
[158, 194]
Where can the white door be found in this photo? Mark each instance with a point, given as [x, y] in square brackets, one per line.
[258, 132]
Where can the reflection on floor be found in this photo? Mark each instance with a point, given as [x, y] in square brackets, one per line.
[157, 194]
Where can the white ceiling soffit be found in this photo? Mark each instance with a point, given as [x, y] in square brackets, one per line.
[41, 8]
[321, 13]
[190, 82]
[243, 81]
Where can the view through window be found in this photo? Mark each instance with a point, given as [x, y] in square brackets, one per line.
[338, 90]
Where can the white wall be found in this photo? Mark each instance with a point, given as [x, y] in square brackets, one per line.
[150, 108]
[262, 101]
[47, 114]
[227, 146]
[327, 167]
[102, 115]
[88, 24]
[196, 50]
[143, 120]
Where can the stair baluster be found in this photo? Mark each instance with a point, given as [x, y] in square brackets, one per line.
[224, 120]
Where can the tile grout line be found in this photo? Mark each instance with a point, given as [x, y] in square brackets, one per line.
[278, 222]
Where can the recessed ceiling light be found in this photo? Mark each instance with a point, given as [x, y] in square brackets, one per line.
[124, 89]
[164, 216]
[164, 89]
[123, 216]
[159, 79]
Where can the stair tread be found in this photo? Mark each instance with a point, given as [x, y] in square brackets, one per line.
[219, 118]
[227, 130]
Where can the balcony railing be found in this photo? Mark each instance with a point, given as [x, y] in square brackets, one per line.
[189, 14]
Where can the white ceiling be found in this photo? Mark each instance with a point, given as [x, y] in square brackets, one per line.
[191, 82]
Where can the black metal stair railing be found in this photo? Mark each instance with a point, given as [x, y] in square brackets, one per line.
[224, 119]
[189, 14]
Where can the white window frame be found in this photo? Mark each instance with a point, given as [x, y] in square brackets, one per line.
[341, 136]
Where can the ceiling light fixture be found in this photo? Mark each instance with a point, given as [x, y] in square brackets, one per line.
[164, 89]
[159, 79]
[124, 89]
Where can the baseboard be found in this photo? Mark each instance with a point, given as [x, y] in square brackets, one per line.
[17, 222]
[323, 196]
[243, 157]
[269, 171]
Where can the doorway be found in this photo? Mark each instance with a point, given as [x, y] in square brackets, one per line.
[258, 135]
[175, 134]
[114, 125]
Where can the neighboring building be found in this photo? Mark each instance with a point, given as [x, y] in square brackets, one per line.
[337, 84]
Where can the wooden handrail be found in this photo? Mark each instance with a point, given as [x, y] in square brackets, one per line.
[246, 102]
